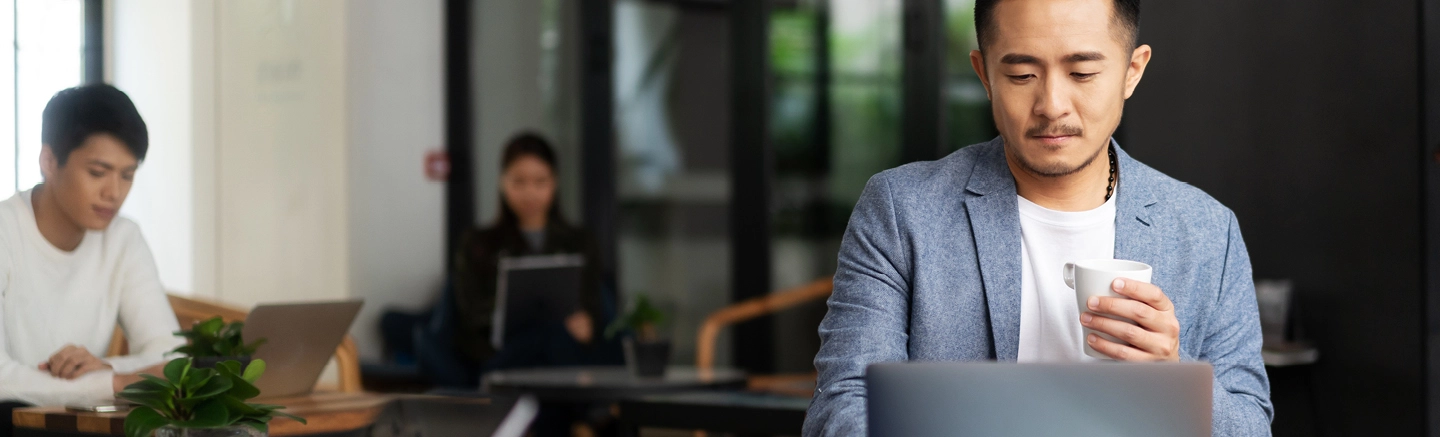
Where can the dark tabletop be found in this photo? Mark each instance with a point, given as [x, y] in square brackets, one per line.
[719, 411]
[605, 383]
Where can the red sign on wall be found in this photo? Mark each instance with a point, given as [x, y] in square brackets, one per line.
[437, 165]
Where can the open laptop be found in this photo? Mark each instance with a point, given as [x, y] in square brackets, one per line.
[535, 289]
[1007, 399]
[299, 338]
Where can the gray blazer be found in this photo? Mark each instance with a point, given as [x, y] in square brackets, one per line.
[929, 270]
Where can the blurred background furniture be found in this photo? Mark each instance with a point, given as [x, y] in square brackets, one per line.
[788, 384]
[420, 352]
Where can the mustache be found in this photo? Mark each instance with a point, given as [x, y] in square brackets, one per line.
[1053, 130]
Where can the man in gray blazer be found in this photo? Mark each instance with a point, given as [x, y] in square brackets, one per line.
[960, 259]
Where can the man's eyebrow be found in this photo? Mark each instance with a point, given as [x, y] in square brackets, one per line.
[1084, 56]
[102, 164]
[1016, 58]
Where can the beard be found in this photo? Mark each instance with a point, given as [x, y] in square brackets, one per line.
[1052, 169]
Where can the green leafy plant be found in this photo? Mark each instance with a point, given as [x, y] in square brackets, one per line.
[192, 397]
[642, 319]
[215, 338]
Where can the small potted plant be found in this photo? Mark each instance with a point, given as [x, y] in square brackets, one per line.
[199, 402]
[645, 353]
[214, 341]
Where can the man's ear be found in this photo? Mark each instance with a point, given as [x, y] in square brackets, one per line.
[977, 61]
[1139, 58]
[49, 164]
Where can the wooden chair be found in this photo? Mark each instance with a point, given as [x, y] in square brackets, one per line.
[794, 384]
[189, 311]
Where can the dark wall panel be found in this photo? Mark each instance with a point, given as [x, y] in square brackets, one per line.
[1430, 155]
[459, 116]
[1301, 117]
[922, 138]
[597, 130]
[752, 172]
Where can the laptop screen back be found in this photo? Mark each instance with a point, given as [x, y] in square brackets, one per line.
[535, 290]
[1007, 399]
[299, 338]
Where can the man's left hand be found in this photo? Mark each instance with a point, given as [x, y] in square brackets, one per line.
[1157, 338]
[72, 362]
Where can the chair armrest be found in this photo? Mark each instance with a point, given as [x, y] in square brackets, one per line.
[347, 365]
[750, 309]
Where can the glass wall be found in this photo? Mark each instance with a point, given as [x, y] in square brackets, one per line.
[967, 110]
[525, 61]
[672, 128]
[835, 122]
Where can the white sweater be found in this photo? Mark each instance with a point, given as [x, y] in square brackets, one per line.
[50, 298]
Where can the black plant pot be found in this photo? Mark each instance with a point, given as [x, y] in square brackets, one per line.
[647, 358]
[210, 362]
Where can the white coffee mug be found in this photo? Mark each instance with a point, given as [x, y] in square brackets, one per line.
[1092, 277]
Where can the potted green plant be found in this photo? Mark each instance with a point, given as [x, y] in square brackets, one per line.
[199, 402]
[646, 354]
[213, 341]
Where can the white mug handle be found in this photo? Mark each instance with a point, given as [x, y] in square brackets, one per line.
[1070, 275]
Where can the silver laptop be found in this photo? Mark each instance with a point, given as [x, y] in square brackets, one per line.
[299, 338]
[1007, 399]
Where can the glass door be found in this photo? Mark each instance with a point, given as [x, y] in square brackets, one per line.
[835, 115]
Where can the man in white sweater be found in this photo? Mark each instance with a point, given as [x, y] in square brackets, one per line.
[70, 270]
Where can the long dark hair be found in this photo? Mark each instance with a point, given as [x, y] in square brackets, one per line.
[533, 145]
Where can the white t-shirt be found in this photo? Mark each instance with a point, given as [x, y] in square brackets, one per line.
[50, 298]
[1049, 320]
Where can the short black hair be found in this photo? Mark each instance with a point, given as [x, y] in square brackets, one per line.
[74, 114]
[1126, 15]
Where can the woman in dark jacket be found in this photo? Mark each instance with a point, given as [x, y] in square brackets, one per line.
[530, 223]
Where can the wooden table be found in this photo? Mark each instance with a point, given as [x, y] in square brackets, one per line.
[327, 413]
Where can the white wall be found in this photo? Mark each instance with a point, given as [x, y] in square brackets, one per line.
[287, 140]
[152, 41]
[396, 112]
[281, 151]
[204, 138]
